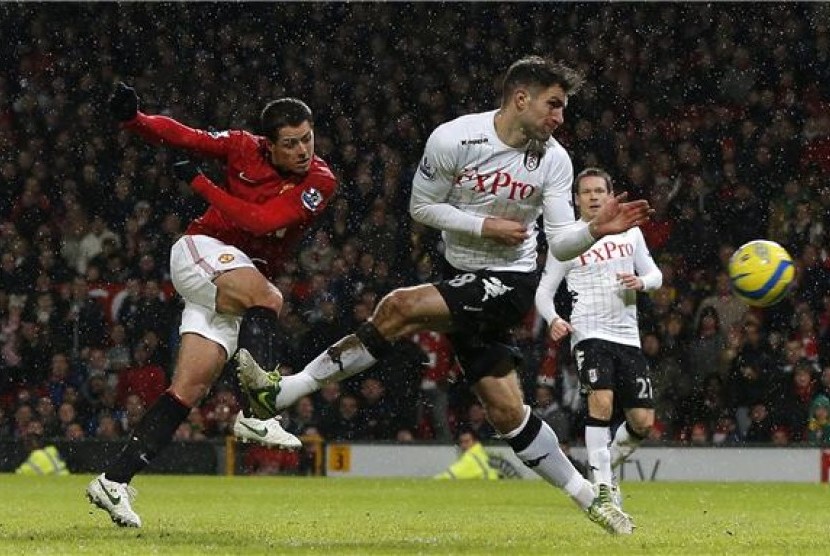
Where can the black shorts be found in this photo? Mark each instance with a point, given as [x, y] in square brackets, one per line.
[604, 365]
[484, 306]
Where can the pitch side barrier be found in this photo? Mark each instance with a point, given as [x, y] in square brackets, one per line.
[722, 464]
[335, 459]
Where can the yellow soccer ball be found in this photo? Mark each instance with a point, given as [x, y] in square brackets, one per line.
[761, 272]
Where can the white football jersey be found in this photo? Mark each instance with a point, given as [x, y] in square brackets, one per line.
[467, 174]
[602, 307]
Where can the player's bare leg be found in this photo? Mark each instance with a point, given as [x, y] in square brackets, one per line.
[199, 363]
[400, 313]
[536, 444]
[245, 291]
[629, 435]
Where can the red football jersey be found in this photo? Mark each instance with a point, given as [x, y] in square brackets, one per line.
[260, 211]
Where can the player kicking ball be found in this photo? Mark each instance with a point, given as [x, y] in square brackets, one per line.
[275, 187]
[483, 180]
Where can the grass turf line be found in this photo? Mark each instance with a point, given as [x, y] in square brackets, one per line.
[280, 515]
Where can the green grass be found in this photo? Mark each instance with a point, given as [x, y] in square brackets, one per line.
[259, 515]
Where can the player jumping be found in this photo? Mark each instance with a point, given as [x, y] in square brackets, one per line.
[483, 180]
[275, 187]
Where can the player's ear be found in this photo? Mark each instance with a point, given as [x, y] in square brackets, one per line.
[521, 98]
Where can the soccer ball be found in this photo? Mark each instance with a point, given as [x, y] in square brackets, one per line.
[761, 272]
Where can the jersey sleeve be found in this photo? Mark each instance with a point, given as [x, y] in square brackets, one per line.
[567, 237]
[161, 130]
[297, 206]
[644, 264]
[552, 276]
[431, 186]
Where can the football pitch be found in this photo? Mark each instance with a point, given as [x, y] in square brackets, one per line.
[280, 515]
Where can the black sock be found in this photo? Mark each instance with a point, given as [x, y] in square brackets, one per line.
[375, 344]
[151, 435]
[261, 334]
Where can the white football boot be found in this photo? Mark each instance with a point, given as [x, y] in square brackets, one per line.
[267, 432]
[607, 515]
[115, 499]
[260, 386]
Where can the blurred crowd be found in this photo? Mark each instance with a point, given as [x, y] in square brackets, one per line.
[719, 115]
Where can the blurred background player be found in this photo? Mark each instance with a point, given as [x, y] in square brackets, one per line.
[605, 338]
[275, 187]
[483, 180]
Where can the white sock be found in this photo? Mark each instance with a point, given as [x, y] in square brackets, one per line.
[599, 456]
[623, 445]
[352, 355]
[543, 454]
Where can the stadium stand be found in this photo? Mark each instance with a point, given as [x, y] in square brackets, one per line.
[719, 115]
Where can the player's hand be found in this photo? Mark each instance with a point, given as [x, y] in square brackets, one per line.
[506, 232]
[630, 281]
[124, 102]
[559, 328]
[186, 170]
[618, 215]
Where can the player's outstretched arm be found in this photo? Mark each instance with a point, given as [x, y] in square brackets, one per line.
[618, 215]
[161, 130]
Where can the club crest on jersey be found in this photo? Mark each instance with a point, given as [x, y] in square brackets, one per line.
[426, 170]
[226, 258]
[532, 159]
[311, 199]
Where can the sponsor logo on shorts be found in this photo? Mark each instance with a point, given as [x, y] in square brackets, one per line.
[493, 287]
[592, 375]
[226, 258]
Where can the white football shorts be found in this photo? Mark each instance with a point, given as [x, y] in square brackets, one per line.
[195, 261]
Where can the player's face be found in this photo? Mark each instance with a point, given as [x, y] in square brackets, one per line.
[591, 195]
[466, 441]
[293, 149]
[542, 111]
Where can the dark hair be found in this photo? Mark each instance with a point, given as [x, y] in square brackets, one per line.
[466, 429]
[283, 112]
[535, 70]
[708, 311]
[593, 171]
